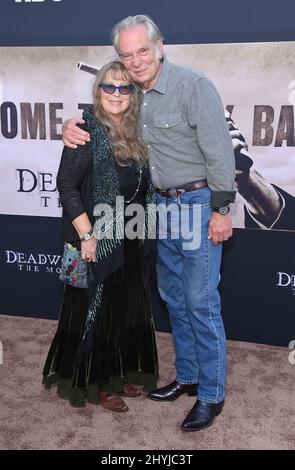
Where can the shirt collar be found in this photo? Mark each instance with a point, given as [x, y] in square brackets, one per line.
[161, 83]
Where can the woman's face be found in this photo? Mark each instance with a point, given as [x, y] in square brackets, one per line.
[114, 104]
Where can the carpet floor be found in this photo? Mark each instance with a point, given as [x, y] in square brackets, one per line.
[259, 412]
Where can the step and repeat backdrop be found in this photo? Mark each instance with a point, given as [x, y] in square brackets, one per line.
[46, 75]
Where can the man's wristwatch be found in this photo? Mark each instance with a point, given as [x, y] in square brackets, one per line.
[221, 210]
[87, 236]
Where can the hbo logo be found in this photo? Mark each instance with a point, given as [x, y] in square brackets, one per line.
[31, 1]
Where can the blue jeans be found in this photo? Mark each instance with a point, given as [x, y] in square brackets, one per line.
[188, 278]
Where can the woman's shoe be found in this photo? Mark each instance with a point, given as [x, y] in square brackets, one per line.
[113, 402]
[131, 390]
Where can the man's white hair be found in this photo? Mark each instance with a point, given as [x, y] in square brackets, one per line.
[153, 31]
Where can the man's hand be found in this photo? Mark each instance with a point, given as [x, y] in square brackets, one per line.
[220, 228]
[73, 135]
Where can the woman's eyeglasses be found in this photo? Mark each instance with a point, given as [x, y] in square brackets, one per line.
[109, 88]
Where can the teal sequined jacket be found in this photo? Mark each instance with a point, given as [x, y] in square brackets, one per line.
[87, 176]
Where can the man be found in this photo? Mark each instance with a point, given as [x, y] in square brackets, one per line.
[192, 166]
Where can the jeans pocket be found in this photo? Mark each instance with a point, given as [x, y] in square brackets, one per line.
[198, 196]
[190, 226]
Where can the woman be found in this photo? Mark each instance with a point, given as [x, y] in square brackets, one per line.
[104, 347]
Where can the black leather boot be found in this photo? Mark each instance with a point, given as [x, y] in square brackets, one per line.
[172, 391]
[201, 416]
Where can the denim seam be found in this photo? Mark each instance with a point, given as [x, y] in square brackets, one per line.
[216, 336]
[208, 400]
[218, 358]
[187, 382]
[217, 341]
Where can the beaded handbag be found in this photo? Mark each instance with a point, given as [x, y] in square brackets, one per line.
[74, 269]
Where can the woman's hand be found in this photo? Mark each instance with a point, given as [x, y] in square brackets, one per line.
[83, 227]
[88, 249]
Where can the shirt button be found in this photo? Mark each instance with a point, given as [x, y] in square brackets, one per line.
[149, 146]
[144, 104]
[153, 167]
[167, 125]
[144, 125]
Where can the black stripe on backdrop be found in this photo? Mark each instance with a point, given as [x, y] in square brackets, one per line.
[88, 22]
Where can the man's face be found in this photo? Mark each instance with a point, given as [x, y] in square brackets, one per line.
[139, 55]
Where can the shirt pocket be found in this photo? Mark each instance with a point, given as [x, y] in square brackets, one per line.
[166, 121]
[166, 129]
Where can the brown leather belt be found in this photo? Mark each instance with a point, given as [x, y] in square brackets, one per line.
[174, 192]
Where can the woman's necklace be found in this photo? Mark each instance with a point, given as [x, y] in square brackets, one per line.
[138, 185]
[137, 189]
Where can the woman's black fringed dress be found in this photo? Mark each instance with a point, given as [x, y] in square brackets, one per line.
[123, 347]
